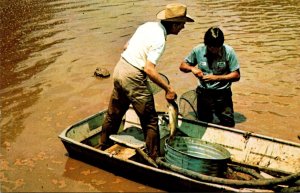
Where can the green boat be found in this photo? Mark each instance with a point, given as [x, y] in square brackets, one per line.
[256, 163]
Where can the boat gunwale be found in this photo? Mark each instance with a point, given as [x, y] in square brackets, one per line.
[246, 133]
[197, 122]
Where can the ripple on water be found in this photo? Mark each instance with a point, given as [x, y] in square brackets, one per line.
[54, 46]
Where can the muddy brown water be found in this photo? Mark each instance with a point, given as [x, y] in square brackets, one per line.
[50, 49]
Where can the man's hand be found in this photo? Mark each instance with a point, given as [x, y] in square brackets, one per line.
[171, 94]
[197, 72]
[232, 76]
[151, 72]
[210, 77]
[185, 67]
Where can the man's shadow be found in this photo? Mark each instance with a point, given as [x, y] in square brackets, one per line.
[239, 118]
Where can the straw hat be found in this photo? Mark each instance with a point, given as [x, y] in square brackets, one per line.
[175, 12]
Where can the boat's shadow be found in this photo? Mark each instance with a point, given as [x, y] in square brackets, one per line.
[75, 172]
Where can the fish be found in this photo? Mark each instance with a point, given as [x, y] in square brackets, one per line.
[173, 118]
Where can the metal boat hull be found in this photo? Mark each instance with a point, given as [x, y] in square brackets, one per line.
[81, 139]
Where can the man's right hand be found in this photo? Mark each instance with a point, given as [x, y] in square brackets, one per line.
[185, 67]
[171, 94]
[197, 72]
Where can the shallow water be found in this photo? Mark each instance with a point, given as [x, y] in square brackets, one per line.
[50, 49]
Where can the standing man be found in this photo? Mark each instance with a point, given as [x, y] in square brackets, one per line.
[137, 62]
[216, 66]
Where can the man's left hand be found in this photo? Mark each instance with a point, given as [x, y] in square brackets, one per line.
[210, 77]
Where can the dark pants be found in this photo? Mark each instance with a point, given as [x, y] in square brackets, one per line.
[218, 102]
[131, 87]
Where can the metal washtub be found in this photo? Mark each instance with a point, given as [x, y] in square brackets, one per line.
[197, 155]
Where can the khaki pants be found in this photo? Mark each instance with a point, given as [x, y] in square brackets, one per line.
[131, 87]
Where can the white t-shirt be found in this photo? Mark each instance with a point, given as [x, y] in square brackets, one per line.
[147, 43]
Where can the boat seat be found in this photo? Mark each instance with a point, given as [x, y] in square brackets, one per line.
[128, 140]
[121, 151]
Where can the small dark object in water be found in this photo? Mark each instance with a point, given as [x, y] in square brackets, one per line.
[101, 72]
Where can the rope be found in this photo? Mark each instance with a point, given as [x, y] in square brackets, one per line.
[211, 179]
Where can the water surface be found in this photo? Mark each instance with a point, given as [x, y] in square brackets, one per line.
[50, 49]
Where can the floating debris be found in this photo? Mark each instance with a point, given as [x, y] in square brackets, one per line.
[101, 72]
